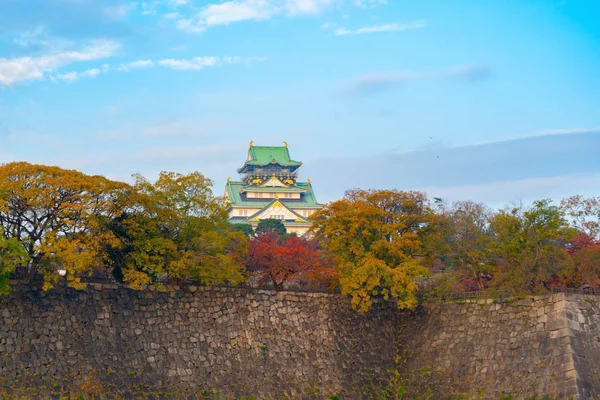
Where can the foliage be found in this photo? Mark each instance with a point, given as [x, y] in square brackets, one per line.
[531, 246]
[12, 255]
[586, 266]
[270, 225]
[177, 230]
[584, 214]
[466, 242]
[277, 260]
[245, 228]
[57, 216]
[379, 241]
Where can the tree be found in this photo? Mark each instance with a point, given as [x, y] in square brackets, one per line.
[57, 216]
[177, 230]
[270, 225]
[245, 228]
[275, 259]
[584, 215]
[586, 266]
[380, 241]
[12, 256]
[466, 242]
[531, 246]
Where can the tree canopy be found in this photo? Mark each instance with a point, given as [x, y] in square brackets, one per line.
[57, 216]
[378, 239]
[276, 259]
[270, 225]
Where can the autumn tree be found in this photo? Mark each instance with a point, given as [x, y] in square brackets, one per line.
[245, 228]
[12, 256]
[584, 216]
[380, 243]
[530, 244]
[57, 216]
[270, 225]
[466, 242]
[175, 229]
[276, 259]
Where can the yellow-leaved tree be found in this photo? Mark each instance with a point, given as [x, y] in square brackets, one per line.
[176, 230]
[58, 217]
[381, 242]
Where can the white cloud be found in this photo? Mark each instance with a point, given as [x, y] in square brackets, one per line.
[187, 25]
[73, 76]
[120, 12]
[250, 10]
[149, 8]
[233, 11]
[136, 65]
[21, 69]
[172, 15]
[380, 28]
[369, 3]
[195, 63]
[198, 63]
[567, 131]
[294, 7]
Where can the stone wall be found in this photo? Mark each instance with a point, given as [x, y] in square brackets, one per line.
[235, 342]
[270, 345]
[547, 345]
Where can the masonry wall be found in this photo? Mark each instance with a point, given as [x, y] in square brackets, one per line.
[194, 341]
[547, 345]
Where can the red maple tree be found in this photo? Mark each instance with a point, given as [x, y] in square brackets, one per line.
[277, 259]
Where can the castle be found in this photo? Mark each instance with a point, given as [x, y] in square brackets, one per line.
[269, 188]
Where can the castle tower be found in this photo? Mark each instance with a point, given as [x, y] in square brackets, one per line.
[269, 188]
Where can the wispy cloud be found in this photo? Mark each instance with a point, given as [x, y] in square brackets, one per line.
[73, 76]
[14, 71]
[198, 63]
[229, 12]
[121, 11]
[369, 3]
[373, 83]
[21, 69]
[567, 131]
[380, 28]
[136, 65]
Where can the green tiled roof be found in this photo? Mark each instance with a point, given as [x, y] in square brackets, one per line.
[275, 188]
[265, 155]
[307, 199]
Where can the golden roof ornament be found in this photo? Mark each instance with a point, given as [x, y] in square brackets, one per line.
[285, 144]
[251, 143]
[228, 179]
[308, 180]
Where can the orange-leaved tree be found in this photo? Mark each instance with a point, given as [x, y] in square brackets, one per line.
[276, 259]
[381, 241]
[59, 217]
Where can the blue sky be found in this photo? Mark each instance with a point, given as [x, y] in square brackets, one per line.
[486, 100]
